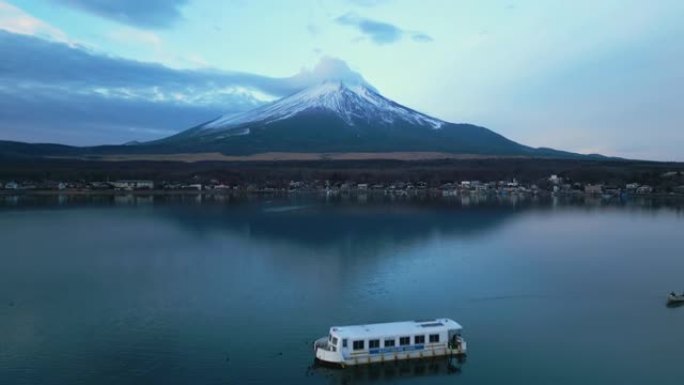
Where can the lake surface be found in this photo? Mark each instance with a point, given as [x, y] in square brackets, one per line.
[141, 290]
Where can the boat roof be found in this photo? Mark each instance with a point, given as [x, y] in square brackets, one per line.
[395, 328]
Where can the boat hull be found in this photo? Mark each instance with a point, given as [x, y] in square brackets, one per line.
[675, 299]
[330, 358]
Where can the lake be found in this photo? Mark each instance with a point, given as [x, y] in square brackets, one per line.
[215, 290]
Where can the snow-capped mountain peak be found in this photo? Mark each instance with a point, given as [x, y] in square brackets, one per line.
[337, 115]
[354, 103]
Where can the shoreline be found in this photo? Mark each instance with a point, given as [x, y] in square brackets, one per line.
[353, 192]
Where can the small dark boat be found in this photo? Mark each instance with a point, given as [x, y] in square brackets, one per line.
[673, 298]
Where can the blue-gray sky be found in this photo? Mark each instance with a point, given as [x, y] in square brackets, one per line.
[588, 76]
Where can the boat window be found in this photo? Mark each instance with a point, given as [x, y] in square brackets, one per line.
[334, 341]
[404, 340]
[344, 343]
[372, 344]
[419, 340]
[434, 338]
[389, 343]
[359, 345]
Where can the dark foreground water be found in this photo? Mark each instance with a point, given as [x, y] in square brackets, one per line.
[185, 291]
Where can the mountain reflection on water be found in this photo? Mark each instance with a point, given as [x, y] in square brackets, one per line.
[339, 223]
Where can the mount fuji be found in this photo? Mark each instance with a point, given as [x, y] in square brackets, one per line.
[340, 116]
[333, 117]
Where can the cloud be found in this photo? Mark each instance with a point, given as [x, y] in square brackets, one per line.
[51, 91]
[313, 29]
[15, 20]
[421, 37]
[367, 3]
[327, 69]
[58, 115]
[380, 32]
[139, 13]
[133, 35]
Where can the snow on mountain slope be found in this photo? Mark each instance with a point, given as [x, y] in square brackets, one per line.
[353, 103]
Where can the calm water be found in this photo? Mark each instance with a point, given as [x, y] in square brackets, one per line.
[179, 291]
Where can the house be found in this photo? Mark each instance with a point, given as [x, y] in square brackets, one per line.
[11, 186]
[593, 189]
[555, 180]
[173, 186]
[295, 185]
[644, 190]
[612, 190]
[631, 187]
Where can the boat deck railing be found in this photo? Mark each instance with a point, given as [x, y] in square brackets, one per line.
[322, 343]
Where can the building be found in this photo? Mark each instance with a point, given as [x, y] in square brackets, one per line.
[100, 186]
[195, 186]
[11, 186]
[133, 185]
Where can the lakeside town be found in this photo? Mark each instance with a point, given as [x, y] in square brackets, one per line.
[670, 184]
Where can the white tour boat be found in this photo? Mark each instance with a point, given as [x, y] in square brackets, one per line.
[365, 344]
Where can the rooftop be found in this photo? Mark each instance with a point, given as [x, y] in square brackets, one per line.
[395, 328]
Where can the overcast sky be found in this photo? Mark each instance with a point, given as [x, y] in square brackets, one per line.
[586, 76]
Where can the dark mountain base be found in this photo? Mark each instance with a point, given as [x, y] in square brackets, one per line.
[434, 172]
